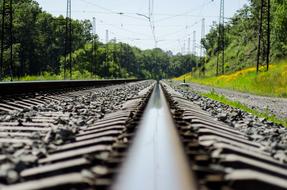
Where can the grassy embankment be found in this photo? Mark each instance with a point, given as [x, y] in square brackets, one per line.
[265, 114]
[76, 75]
[271, 83]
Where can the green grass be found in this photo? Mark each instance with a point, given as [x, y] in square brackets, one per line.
[266, 114]
[271, 83]
[76, 75]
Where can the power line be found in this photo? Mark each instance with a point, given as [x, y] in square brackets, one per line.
[186, 13]
[109, 10]
[132, 32]
[125, 14]
[180, 30]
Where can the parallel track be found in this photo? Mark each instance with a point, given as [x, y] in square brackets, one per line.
[156, 140]
[17, 88]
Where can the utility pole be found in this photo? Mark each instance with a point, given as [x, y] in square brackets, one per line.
[7, 12]
[68, 39]
[268, 34]
[188, 45]
[121, 58]
[202, 57]
[202, 36]
[194, 49]
[106, 57]
[114, 50]
[259, 35]
[263, 47]
[221, 39]
[93, 64]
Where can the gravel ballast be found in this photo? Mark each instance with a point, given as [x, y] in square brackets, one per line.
[272, 137]
[277, 106]
[56, 122]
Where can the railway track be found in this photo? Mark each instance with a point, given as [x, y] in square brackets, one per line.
[123, 135]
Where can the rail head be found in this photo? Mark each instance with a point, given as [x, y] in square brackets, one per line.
[156, 155]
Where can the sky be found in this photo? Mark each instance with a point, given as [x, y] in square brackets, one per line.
[127, 20]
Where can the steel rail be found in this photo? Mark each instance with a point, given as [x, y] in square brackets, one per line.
[156, 157]
[10, 88]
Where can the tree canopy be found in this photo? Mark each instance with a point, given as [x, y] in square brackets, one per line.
[39, 46]
[241, 36]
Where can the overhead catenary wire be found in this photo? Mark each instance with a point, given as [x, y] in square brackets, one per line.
[108, 10]
[181, 29]
[186, 13]
[133, 27]
[126, 13]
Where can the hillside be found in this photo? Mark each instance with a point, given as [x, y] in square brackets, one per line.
[271, 83]
[241, 39]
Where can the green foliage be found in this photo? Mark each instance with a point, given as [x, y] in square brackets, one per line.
[119, 60]
[39, 50]
[38, 39]
[241, 51]
[271, 83]
[241, 37]
[77, 75]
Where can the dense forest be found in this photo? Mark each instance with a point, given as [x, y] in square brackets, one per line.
[241, 37]
[38, 44]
